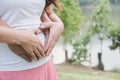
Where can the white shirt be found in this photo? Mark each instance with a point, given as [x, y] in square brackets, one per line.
[20, 14]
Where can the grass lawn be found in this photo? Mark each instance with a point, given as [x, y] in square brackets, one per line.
[71, 72]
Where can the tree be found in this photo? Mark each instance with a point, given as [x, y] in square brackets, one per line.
[101, 22]
[71, 17]
[80, 45]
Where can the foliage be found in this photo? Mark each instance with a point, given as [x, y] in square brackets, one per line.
[71, 17]
[114, 35]
[103, 25]
[100, 26]
[101, 20]
[79, 55]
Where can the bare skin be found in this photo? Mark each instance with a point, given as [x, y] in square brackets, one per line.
[55, 28]
[52, 24]
[29, 41]
[20, 50]
[16, 48]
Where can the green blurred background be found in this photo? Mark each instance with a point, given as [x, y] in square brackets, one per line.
[89, 48]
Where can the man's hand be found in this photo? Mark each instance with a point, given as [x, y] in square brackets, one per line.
[30, 48]
[18, 50]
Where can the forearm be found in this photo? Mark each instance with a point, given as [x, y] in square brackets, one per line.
[7, 34]
[52, 16]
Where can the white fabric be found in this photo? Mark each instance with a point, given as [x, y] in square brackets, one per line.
[20, 14]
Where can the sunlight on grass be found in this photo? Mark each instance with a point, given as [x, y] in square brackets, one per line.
[117, 77]
[73, 72]
[74, 76]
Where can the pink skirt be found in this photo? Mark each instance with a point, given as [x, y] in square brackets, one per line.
[45, 72]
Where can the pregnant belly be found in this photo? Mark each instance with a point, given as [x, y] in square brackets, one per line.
[7, 54]
[9, 61]
[41, 36]
[11, 56]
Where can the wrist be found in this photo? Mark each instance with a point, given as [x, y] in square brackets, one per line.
[17, 38]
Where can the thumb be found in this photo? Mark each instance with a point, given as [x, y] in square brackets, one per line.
[36, 31]
[45, 25]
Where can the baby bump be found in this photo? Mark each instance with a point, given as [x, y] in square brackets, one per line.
[41, 36]
[5, 50]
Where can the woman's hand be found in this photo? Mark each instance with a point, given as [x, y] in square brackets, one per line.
[30, 44]
[54, 30]
[19, 50]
